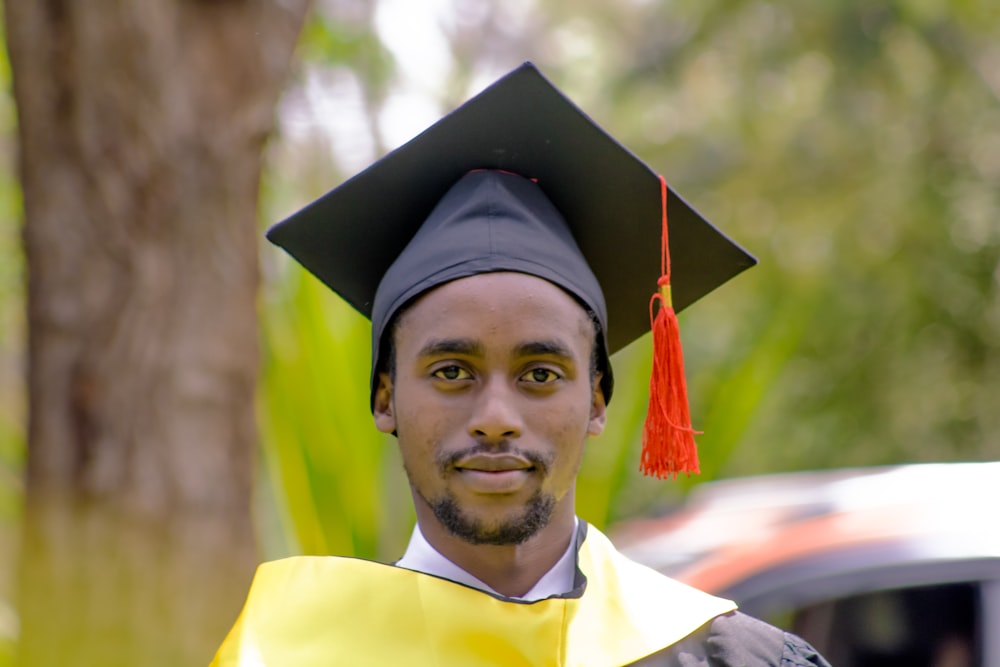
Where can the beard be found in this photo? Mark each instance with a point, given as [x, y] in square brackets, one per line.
[512, 531]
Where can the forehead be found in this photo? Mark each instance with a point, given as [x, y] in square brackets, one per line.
[507, 304]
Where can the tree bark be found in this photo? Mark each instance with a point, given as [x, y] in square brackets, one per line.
[141, 127]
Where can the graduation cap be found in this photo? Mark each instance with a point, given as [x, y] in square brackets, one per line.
[520, 179]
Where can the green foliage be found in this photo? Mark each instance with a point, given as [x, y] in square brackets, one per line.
[338, 482]
[12, 412]
[11, 300]
[328, 42]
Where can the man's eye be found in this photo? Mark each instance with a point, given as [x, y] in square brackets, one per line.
[540, 376]
[452, 373]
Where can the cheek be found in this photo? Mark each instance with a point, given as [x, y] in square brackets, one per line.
[421, 431]
[568, 429]
[422, 410]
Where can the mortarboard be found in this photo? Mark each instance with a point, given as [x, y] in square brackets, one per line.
[519, 179]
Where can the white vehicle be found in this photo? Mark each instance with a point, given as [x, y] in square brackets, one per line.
[878, 566]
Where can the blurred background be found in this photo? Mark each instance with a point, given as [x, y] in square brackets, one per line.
[179, 400]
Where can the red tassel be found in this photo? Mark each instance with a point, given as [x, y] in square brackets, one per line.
[668, 446]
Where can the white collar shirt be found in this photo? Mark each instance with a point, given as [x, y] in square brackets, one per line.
[422, 557]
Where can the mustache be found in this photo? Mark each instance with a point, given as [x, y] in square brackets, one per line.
[447, 461]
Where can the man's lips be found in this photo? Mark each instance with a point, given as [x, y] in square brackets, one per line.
[494, 463]
[495, 474]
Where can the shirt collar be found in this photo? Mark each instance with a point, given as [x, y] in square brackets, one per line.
[422, 557]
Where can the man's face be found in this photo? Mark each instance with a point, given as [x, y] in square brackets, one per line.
[492, 399]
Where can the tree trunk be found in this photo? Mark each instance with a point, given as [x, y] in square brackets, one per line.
[141, 126]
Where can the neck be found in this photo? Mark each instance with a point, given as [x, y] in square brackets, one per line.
[510, 570]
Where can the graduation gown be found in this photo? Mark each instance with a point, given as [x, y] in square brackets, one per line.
[311, 611]
[736, 640]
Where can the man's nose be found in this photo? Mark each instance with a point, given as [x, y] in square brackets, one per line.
[496, 416]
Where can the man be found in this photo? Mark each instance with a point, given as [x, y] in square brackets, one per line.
[483, 251]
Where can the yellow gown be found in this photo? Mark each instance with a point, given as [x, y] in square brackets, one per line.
[309, 611]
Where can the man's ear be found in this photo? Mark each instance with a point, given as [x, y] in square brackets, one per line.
[382, 407]
[598, 408]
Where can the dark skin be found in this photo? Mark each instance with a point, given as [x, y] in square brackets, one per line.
[492, 400]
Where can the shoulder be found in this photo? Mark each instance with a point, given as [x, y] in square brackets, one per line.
[736, 639]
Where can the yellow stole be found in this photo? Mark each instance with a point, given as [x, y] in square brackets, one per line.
[312, 611]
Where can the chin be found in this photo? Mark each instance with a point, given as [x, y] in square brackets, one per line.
[513, 528]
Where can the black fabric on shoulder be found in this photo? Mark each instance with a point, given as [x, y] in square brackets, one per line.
[799, 653]
[737, 640]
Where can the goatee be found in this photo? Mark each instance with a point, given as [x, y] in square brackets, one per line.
[517, 530]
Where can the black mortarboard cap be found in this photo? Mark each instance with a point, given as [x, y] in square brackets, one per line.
[610, 202]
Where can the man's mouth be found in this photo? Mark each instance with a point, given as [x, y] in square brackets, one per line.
[495, 474]
[494, 463]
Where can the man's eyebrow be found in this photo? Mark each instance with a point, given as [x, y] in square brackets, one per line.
[546, 348]
[462, 346]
